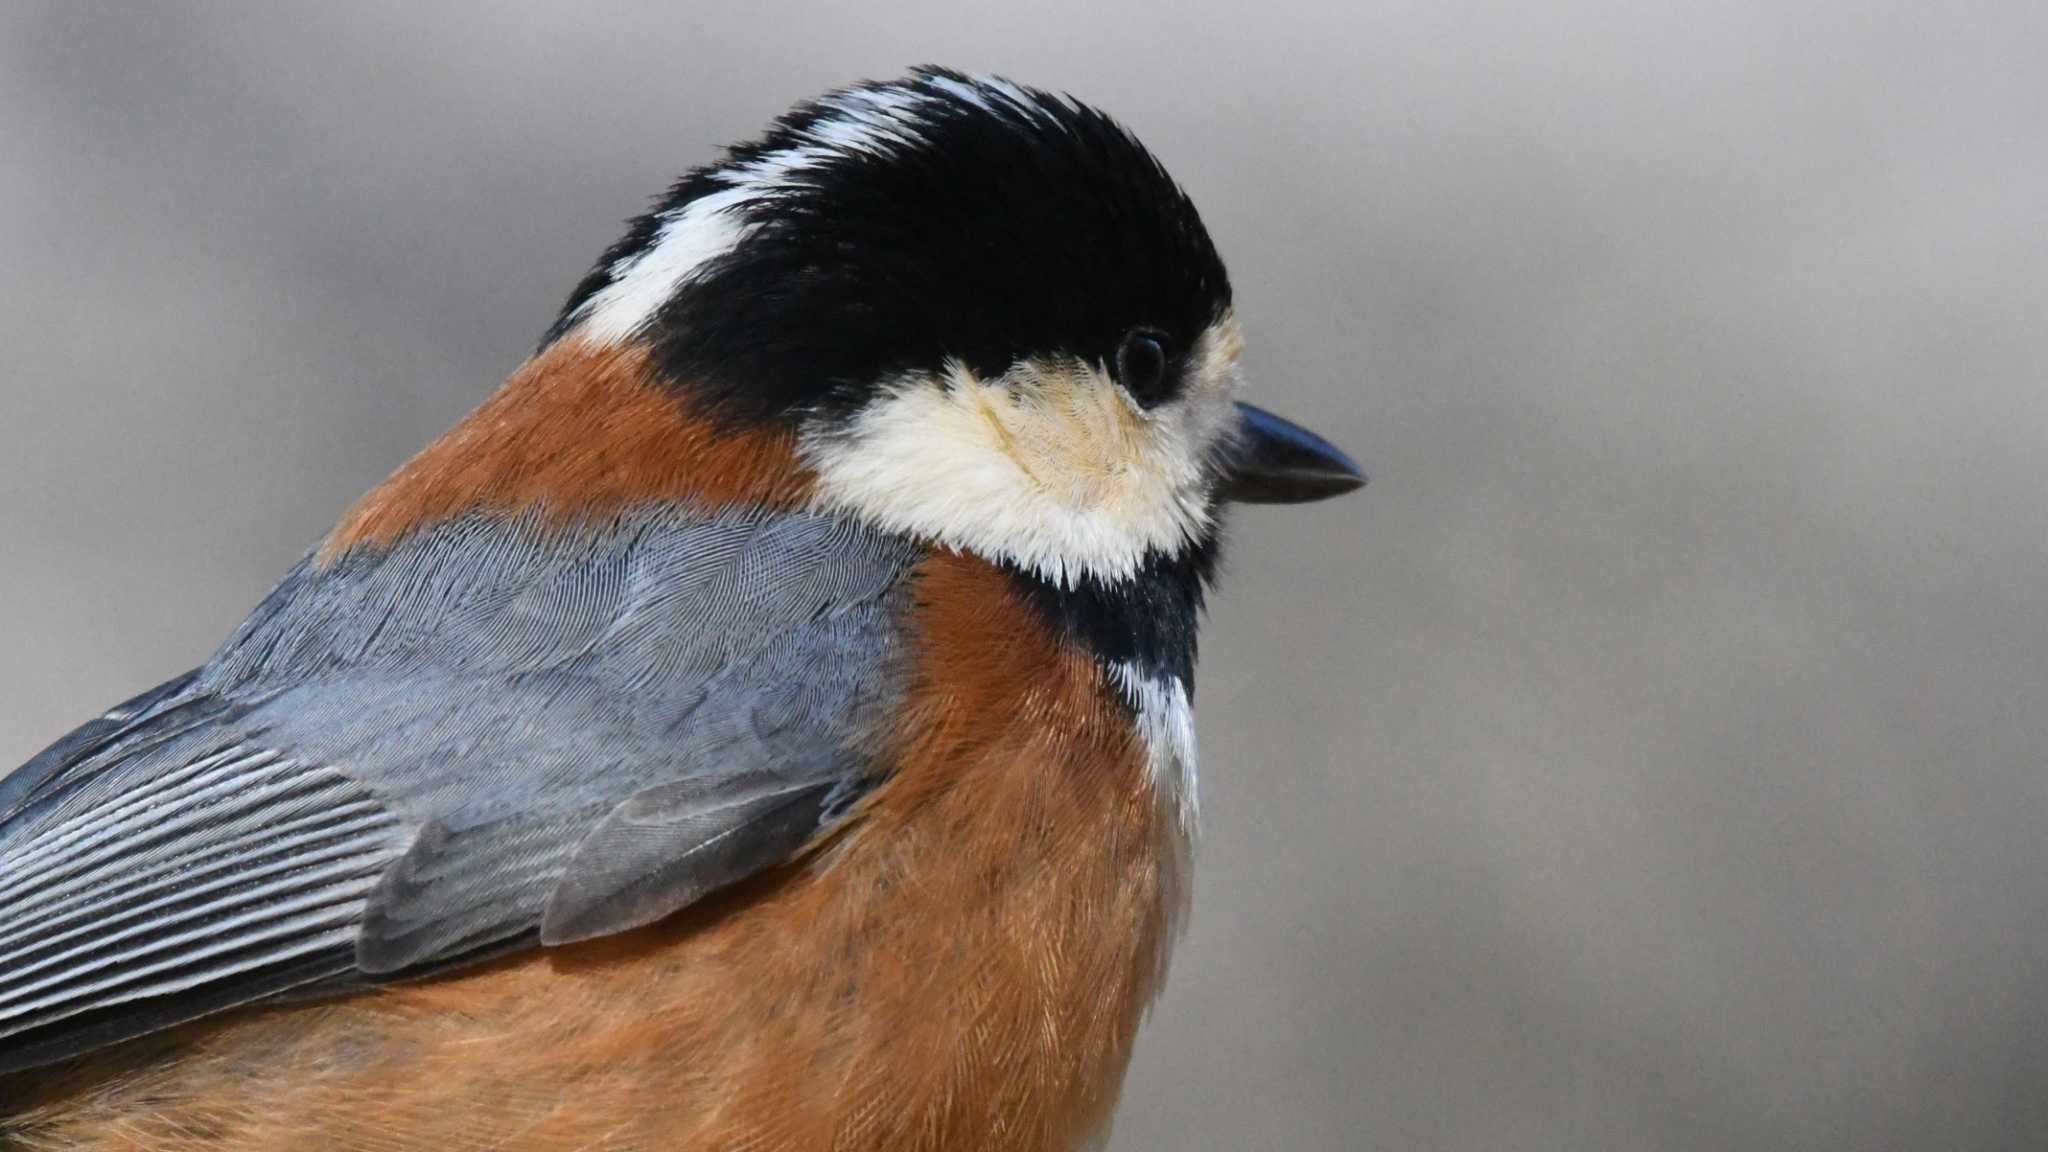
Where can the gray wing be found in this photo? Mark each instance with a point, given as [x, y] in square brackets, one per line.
[488, 737]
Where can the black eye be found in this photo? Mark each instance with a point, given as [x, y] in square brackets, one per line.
[1141, 363]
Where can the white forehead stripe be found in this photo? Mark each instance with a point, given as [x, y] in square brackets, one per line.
[1166, 722]
[871, 122]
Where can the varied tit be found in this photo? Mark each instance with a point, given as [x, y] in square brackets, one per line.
[763, 724]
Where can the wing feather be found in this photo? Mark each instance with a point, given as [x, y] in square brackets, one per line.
[666, 847]
[487, 736]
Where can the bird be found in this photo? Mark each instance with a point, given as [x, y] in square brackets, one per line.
[764, 723]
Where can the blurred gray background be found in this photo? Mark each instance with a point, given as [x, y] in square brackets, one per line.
[1651, 758]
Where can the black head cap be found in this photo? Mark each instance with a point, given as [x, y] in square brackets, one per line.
[890, 227]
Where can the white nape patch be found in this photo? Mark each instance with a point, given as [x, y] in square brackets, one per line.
[1009, 99]
[1051, 467]
[863, 121]
[1166, 722]
[866, 121]
[706, 228]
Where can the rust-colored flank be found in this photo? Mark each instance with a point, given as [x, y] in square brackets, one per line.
[577, 432]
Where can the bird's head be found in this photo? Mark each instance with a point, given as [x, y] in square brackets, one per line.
[987, 313]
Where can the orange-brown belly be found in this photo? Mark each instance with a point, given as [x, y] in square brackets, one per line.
[871, 1010]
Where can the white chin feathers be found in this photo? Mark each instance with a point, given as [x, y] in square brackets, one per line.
[1051, 467]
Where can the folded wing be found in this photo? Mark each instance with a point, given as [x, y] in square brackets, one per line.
[492, 736]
